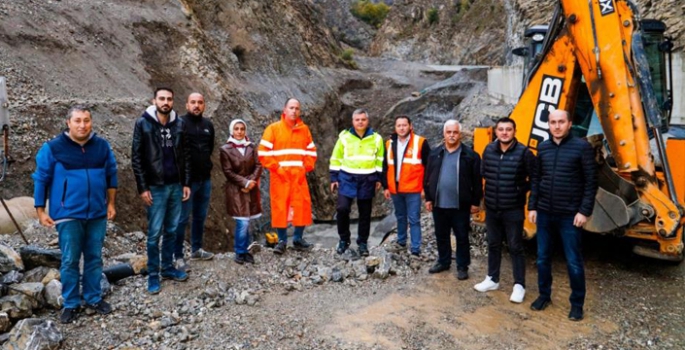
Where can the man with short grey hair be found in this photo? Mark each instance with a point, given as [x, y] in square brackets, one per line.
[356, 168]
[77, 173]
[453, 188]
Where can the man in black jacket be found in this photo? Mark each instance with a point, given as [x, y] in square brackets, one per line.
[161, 166]
[454, 189]
[561, 200]
[508, 167]
[199, 135]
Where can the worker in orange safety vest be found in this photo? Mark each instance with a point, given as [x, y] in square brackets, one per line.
[406, 156]
[288, 152]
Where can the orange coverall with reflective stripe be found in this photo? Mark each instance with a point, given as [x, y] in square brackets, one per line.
[289, 153]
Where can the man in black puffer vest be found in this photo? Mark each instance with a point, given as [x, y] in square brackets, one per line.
[561, 200]
[508, 167]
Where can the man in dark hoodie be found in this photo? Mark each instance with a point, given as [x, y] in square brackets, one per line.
[199, 135]
[161, 165]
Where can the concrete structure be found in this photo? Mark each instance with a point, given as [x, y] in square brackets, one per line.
[504, 85]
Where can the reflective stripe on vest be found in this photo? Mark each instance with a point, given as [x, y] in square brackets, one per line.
[411, 173]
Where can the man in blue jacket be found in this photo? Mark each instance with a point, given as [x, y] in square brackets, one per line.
[77, 173]
[561, 200]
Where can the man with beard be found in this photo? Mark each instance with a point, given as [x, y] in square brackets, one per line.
[508, 167]
[454, 188]
[161, 166]
[403, 167]
[199, 135]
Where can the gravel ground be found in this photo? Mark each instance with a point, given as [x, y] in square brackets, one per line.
[292, 302]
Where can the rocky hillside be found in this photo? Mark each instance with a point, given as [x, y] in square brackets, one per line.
[482, 31]
[246, 57]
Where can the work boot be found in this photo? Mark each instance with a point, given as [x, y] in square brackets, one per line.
[174, 274]
[301, 245]
[102, 307]
[438, 267]
[576, 313]
[363, 249]
[342, 247]
[239, 259]
[153, 285]
[280, 247]
[517, 294]
[462, 274]
[68, 315]
[540, 303]
[249, 258]
[201, 254]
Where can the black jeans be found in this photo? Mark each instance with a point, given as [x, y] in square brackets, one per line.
[343, 219]
[506, 225]
[458, 220]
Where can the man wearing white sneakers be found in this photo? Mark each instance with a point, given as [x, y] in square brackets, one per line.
[508, 167]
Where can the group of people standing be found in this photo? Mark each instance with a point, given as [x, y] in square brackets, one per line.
[561, 180]
[171, 160]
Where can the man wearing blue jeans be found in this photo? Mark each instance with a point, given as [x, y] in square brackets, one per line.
[161, 165]
[406, 156]
[77, 173]
[561, 200]
[199, 135]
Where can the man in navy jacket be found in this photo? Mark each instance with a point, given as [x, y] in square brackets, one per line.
[77, 173]
[561, 200]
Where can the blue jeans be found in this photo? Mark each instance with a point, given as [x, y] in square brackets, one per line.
[408, 206]
[571, 237]
[242, 236]
[283, 234]
[198, 203]
[76, 238]
[162, 219]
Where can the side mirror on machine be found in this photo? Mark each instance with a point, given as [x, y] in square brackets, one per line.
[520, 51]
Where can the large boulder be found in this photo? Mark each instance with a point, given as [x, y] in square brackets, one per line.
[5, 322]
[34, 290]
[36, 274]
[17, 306]
[53, 294]
[35, 256]
[10, 260]
[53, 274]
[23, 212]
[34, 334]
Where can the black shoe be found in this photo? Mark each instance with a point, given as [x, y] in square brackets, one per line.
[438, 267]
[301, 245]
[541, 303]
[576, 313]
[280, 247]
[416, 254]
[68, 315]
[239, 259]
[102, 307]
[342, 247]
[462, 274]
[363, 249]
[249, 258]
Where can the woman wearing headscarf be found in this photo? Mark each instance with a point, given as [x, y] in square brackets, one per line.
[242, 169]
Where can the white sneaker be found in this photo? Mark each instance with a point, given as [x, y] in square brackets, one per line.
[518, 294]
[486, 285]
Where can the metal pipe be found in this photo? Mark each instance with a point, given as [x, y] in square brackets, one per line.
[661, 146]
